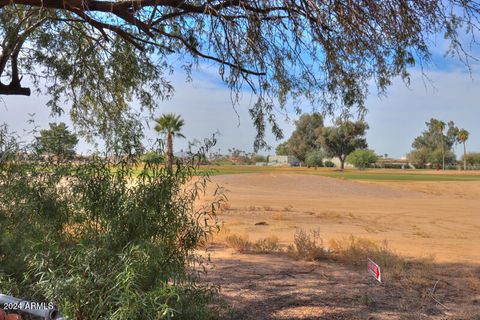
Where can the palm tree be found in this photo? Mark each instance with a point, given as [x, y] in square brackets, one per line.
[170, 125]
[462, 137]
[440, 127]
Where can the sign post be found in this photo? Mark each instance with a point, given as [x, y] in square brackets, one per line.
[374, 270]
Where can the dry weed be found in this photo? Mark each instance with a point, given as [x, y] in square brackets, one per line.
[279, 216]
[307, 246]
[242, 244]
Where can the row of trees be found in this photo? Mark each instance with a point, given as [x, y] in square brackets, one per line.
[435, 145]
[311, 137]
[60, 142]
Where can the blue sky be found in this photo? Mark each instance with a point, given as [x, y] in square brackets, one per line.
[205, 104]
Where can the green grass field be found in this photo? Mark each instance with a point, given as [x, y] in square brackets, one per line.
[372, 174]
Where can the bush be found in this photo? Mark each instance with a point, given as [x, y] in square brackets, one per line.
[329, 164]
[355, 251]
[152, 157]
[362, 158]
[395, 166]
[473, 158]
[307, 246]
[259, 158]
[99, 245]
[314, 158]
[243, 245]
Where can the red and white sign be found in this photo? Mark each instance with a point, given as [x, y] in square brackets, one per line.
[374, 270]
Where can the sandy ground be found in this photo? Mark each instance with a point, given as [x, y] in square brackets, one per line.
[273, 286]
[418, 219]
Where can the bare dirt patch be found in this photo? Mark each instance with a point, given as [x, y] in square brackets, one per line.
[272, 286]
[418, 219]
[435, 220]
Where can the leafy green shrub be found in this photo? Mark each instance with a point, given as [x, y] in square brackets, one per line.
[329, 164]
[102, 241]
[259, 158]
[395, 166]
[362, 158]
[314, 158]
[152, 157]
[473, 158]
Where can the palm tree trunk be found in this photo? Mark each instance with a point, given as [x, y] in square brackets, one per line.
[464, 156]
[443, 154]
[169, 152]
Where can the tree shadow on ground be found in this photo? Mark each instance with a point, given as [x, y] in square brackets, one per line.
[273, 286]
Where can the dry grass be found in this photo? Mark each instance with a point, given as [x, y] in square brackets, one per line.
[242, 244]
[233, 223]
[279, 216]
[219, 237]
[224, 207]
[329, 215]
[417, 274]
[307, 246]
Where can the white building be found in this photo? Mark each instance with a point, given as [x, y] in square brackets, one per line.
[283, 161]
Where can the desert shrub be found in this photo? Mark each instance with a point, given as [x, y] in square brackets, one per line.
[243, 245]
[355, 251]
[239, 243]
[362, 158]
[314, 158]
[307, 246]
[329, 164]
[417, 273]
[102, 240]
[267, 245]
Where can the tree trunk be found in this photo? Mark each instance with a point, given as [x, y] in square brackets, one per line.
[169, 152]
[464, 156]
[342, 163]
[443, 154]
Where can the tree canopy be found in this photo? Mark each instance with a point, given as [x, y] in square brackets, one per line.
[434, 145]
[343, 138]
[462, 137]
[171, 126]
[282, 149]
[305, 136]
[362, 158]
[96, 57]
[57, 141]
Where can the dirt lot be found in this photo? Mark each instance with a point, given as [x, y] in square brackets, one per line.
[438, 220]
[416, 218]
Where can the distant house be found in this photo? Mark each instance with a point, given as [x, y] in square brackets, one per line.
[283, 161]
[391, 163]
